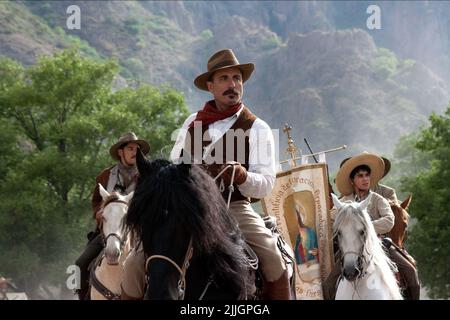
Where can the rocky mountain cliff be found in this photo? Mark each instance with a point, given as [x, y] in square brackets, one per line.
[317, 65]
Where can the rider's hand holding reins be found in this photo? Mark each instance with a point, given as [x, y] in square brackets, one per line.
[240, 174]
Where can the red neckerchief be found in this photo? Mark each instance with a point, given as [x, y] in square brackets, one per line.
[210, 114]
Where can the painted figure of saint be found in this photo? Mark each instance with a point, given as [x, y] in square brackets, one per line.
[306, 248]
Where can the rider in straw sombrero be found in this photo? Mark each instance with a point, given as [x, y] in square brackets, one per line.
[386, 192]
[354, 180]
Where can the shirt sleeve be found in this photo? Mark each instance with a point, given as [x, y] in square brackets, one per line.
[262, 167]
[180, 137]
[385, 223]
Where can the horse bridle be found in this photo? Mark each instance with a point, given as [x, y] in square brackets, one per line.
[182, 271]
[360, 255]
[113, 234]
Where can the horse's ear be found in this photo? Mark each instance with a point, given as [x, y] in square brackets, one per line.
[336, 202]
[142, 163]
[363, 205]
[129, 196]
[405, 204]
[105, 194]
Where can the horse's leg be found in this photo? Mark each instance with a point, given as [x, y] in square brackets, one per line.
[345, 291]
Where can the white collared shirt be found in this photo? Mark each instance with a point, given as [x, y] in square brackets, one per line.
[262, 168]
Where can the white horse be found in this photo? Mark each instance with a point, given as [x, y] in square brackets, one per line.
[106, 280]
[367, 271]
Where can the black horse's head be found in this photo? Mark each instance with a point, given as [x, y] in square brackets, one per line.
[172, 205]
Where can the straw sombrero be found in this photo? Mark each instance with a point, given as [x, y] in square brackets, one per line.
[127, 138]
[387, 165]
[221, 60]
[374, 162]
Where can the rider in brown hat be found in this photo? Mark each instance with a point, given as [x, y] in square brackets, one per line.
[252, 156]
[122, 178]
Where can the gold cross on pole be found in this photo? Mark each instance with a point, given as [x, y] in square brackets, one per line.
[291, 150]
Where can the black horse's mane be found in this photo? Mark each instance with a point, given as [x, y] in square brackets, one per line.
[187, 195]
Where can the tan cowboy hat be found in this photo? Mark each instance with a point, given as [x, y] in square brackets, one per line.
[387, 165]
[374, 162]
[127, 138]
[221, 60]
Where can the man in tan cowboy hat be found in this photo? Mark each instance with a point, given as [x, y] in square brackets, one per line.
[253, 157]
[386, 192]
[354, 179]
[122, 178]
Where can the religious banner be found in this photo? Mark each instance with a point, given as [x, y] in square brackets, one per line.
[300, 202]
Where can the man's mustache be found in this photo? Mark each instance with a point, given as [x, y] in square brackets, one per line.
[231, 91]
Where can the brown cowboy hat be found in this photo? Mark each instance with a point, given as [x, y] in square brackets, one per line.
[387, 165]
[374, 162]
[223, 59]
[127, 138]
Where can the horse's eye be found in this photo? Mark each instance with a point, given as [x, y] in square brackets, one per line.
[338, 233]
[362, 232]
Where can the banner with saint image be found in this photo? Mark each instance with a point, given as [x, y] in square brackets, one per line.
[300, 202]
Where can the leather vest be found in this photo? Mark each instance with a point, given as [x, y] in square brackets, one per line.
[236, 139]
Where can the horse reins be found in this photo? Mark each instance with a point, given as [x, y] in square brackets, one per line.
[113, 234]
[182, 270]
[231, 186]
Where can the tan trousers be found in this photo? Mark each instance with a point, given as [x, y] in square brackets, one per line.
[259, 238]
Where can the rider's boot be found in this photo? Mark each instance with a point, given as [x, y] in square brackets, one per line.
[278, 289]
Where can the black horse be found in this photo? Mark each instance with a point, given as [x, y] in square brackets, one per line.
[194, 249]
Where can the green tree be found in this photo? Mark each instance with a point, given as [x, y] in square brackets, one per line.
[58, 119]
[407, 161]
[429, 240]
